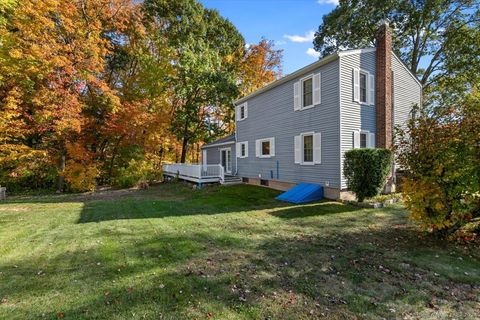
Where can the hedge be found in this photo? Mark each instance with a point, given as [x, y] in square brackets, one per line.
[367, 170]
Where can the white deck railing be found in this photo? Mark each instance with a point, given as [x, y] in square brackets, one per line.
[196, 171]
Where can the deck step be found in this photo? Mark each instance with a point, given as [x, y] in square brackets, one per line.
[229, 180]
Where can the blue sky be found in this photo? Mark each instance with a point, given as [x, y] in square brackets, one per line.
[290, 23]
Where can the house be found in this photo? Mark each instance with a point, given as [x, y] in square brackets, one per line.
[298, 128]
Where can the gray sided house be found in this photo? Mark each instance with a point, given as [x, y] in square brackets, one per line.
[298, 128]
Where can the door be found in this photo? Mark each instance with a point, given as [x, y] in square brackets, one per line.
[226, 160]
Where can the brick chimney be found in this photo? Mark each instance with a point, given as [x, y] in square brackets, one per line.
[383, 95]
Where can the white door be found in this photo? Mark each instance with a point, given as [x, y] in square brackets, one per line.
[226, 159]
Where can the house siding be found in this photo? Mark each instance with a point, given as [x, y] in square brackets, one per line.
[271, 114]
[406, 92]
[213, 154]
[354, 116]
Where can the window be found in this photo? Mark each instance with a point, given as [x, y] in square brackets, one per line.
[363, 139]
[241, 111]
[308, 148]
[307, 91]
[265, 148]
[363, 87]
[242, 149]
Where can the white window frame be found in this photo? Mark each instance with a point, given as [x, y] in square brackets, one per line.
[370, 87]
[258, 146]
[239, 148]
[367, 92]
[302, 147]
[239, 113]
[367, 137]
[310, 76]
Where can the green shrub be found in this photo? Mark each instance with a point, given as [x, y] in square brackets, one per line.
[366, 171]
[138, 172]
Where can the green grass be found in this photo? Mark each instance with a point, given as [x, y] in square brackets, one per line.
[171, 252]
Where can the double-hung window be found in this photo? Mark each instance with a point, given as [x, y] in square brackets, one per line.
[308, 148]
[307, 92]
[363, 139]
[363, 86]
[241, 111]
[242, 149]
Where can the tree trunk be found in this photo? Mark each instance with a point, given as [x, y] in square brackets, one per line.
[184, 149]
[61, 169]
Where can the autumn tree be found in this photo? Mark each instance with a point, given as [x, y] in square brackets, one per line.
[52, 54]
[440, 154]
[261, 64]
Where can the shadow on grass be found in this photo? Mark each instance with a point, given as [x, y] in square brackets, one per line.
[313, 209]
[367, 273]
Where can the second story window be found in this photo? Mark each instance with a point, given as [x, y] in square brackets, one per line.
[241, 111]
[363, 87]
[307, 91]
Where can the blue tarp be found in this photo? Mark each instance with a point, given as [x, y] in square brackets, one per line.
[302, 193]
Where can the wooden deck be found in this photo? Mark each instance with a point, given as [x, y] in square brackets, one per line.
[195, 172]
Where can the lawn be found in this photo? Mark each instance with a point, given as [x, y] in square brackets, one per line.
[171, 252]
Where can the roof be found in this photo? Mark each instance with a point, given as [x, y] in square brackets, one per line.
[313, 66]
[225, 140]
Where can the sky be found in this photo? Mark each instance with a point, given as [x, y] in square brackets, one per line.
[290, 23]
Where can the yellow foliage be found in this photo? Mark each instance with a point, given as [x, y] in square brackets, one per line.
[80, 176]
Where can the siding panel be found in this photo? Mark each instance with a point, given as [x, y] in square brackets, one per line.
[271, 114]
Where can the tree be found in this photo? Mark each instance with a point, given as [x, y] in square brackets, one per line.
[206, 50]
[440, 154]
[427, 33]
[260, 65]
[53, 55]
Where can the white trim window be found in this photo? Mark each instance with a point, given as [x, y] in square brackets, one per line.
[363, 139]
[307, 92]
[308, 148]
[241, 111]
[242, 149]
[265, 148]
[363, 87]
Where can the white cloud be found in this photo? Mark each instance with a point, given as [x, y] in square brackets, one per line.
[308, 37]
[311, 52]
[280, 42]
[334, 2]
